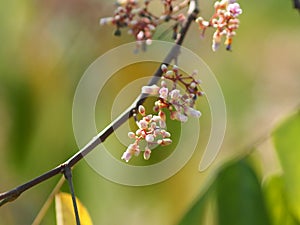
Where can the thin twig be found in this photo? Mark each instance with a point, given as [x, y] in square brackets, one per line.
[101, 137]
[69, 178]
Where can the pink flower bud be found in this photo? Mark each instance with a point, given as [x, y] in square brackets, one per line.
[156, 132]
[138, 132]
[164, 142]
[164, 68]
[165, 134]
[162, 124]
[149, 138]
[153, 125]
[142, 110]
[175, 69]
[182, 118]
[156, 118]
[169, 73]
[126, 156]
[142, 124]
[192, 112]
[131, 135]
[140, 35]
[175, 94]
[163, 83]
[193, 85]
[147, 153]
[151, 90]
[107, 20]
[162, 115]
[163, 92]
[148, 41]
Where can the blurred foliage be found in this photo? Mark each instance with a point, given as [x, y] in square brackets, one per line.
[287, 144]
[45, 48]
[240, 197]
[65, 213]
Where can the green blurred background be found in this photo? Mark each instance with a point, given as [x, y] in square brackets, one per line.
[47, 45]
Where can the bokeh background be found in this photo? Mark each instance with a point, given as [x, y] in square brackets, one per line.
[47, 45]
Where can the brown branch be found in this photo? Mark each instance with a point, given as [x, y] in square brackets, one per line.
[297, 4]
[101, 137]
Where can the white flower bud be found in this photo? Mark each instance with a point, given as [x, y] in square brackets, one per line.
[162, 115]
[169, 73]
[181, 117]
[140, 35]
[148, 41]
[104, 21]
[163, 92]
[162, 124]
[192, 112]
[175, 68]
[175, 94]
[163, 83]
[151, 90]
[164, 68]
[165, 134]
[149, 138]
[142, 124]
[156, 118]
[126, 156]
[193, 85]
[153, 125]
[164, 142]
[142, 110]
[131, 134]
[138, 132]
[147, 153]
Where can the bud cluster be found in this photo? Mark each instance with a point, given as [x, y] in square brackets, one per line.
[152, 127]
[141, 23]
[225, 21]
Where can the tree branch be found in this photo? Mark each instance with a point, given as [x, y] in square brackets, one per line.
[101, 137]
[296, 4]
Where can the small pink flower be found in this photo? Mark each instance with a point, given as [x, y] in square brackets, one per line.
[142, 124]
[175, 94]
[235, 9]
[163, 92]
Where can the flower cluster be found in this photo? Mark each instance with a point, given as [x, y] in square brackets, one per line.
[141, 23]
[152, 127]
[225, 21]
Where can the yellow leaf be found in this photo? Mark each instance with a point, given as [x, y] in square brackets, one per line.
[65, 212]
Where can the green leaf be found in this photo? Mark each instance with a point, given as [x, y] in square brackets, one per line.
[65, 213]
[239, 196]
[287, 143]
[23, 117]
[195, 214]
[277, 205]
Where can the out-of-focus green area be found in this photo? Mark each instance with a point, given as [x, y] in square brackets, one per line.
[45, 48]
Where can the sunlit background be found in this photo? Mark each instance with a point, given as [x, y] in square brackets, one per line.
[45, 48]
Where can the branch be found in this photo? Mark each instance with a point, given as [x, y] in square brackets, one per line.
[297, 4]
[101, 137]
